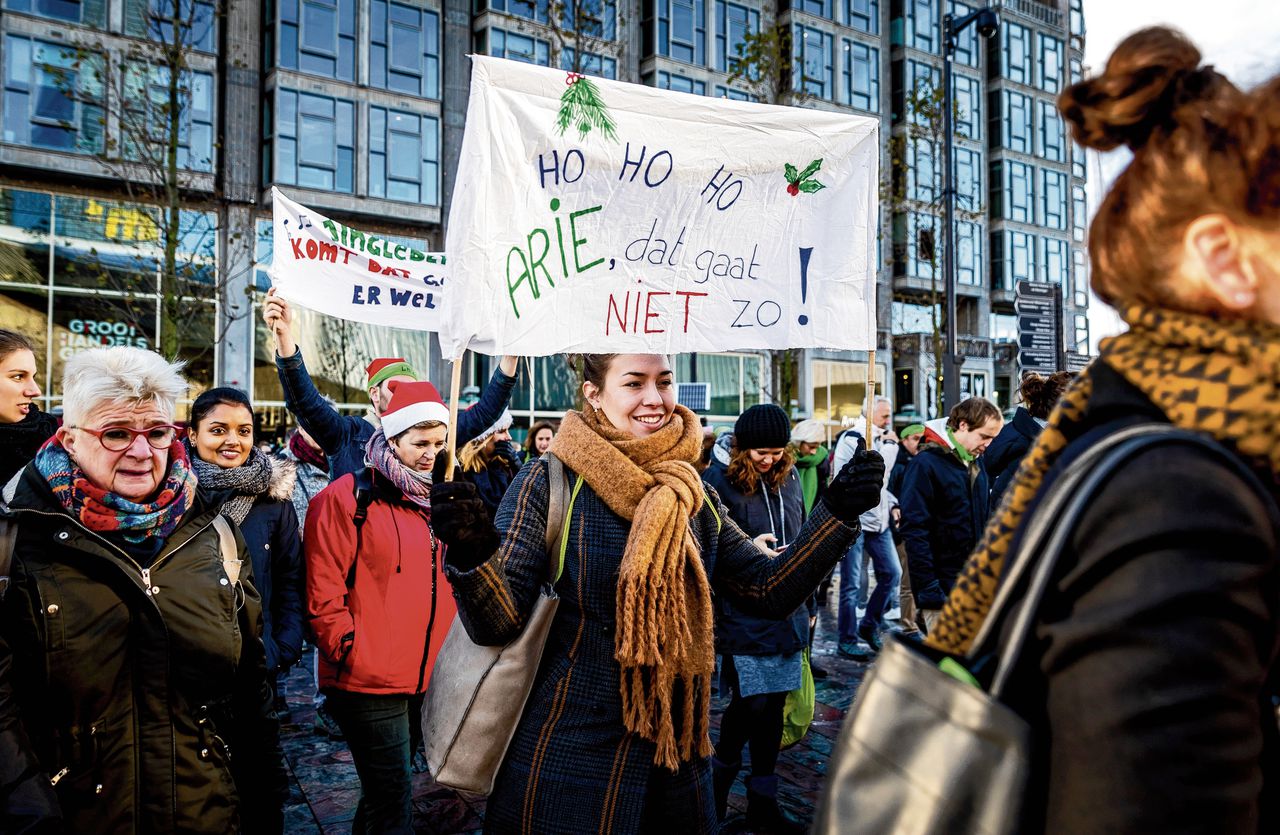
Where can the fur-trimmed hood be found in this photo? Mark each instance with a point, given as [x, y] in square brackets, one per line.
[284, 475]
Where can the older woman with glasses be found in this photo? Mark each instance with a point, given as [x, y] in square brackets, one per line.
[132, 680]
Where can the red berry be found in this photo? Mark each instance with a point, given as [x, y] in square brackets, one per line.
[793, 189]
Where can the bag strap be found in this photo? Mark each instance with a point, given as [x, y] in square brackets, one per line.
[226, 538]
[557, 499]
[1032, 568]
[362, 489]
[8, 541]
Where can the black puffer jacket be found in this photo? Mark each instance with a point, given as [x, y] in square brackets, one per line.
[272, 533]
[1007, 451]
[20, 441]
[780, 512]
[134, 690]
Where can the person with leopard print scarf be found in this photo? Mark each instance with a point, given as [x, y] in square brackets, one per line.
[1151, 677]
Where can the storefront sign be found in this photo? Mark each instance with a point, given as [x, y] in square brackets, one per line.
[334, 269]
[592, 215]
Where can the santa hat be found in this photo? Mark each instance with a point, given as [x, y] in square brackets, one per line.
[503, 422]
[386, 367]
[411, 404]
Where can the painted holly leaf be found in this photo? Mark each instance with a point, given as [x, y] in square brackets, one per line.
[790, 173]
[810, 186]
[810, 170]
[582, 107]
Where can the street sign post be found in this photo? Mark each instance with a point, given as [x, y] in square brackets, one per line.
[1039, 309]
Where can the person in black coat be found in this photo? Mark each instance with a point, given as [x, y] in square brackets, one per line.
[1039, 395]
[944, 501]
[489, 461]
[23, 427]
[259, 498]
[761, 658]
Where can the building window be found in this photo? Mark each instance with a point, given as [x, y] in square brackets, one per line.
[592, 18]
[1077, 71]
[968, 177]
[968, 106]
[923, 245]
[813, 73]
[92, 13]
[1016, 63]
[404, 156]
[1077, 18]
[591, 63]
[319, 37]
[404, 49]
[924, 82]
[969, 253]
[1019, 192]
[817, 8]
[535, 10]
[682, 30]
[315, 141]
[1051, 132]
[923, 25]
[1078, 158]
[906, 317]
[1081, 333]
[678, 83]
[1004, 328]
[1054, 191]
[968, 43]
[504, 44]
[152, 19]
[1079, 278]
[861, 76]
[146, 136]
[1017, 258]
[1018, 134]
[1079, 213]
[1051, 63]
[733, 23]
[924, 180]
[723, 92]
[47, 91]
[1055, 261]
[863, 15]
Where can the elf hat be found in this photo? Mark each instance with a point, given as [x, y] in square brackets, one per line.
[411, 404]
[504, 421]
[385, 367]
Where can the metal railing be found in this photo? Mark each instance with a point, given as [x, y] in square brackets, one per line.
[1038, 11]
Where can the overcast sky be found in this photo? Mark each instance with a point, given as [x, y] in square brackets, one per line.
[1239, 37]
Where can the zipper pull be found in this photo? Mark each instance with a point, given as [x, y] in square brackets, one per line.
[146, 581]
[57, 778]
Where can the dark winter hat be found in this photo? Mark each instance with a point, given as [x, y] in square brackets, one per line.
[762, 427]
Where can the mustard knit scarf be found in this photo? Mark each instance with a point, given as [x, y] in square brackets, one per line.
[1217, 377]
[664, 635]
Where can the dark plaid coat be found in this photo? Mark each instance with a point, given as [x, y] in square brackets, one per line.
[572, 767]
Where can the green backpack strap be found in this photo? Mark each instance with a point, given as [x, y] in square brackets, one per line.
[712, 507]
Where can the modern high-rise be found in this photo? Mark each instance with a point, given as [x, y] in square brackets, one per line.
[357, 108]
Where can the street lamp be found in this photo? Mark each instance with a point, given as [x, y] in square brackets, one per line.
[988, 22]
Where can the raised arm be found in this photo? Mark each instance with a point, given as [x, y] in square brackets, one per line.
[494, 398]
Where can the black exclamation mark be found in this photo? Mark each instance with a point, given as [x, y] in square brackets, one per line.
[805, 252]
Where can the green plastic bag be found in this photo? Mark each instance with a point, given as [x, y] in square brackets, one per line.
[797, 715]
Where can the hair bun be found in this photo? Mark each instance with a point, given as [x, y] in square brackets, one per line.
[1151, 74]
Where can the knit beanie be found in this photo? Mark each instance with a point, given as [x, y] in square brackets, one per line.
[913, 429]
[504, 421]
[411, 404]
[386, 367]
[764, 426]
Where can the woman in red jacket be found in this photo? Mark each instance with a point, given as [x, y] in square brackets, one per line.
[378, 599]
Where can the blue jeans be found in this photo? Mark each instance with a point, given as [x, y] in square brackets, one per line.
[884, 560]
[377, 732]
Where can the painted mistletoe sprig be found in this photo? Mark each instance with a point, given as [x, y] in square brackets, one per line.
[582, 106]
[798, 181]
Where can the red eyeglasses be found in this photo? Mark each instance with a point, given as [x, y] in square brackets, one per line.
[120, 438]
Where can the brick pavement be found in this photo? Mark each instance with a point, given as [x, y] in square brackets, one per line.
[325, 787]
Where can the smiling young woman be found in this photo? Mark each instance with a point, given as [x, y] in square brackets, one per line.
[615, 736]
[23, 427]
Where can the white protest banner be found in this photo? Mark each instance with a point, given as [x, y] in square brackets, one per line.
[593, 215]
[340, 271]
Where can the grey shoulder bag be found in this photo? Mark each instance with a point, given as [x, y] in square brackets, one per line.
[923, 752]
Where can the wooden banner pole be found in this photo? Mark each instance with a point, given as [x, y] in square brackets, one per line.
[871, 394]
[455, 387]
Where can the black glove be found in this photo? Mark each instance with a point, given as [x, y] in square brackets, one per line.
[856, 488]
[931, 596]
[460, 520]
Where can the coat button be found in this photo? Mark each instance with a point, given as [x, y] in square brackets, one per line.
[63, 535]
[223, 581]
[52, 609]
[204, 753]
[97, 789]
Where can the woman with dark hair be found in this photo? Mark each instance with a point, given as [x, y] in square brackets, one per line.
[1151, 676]
[257, 491]
[761, 659]
[1039, 395]
[540, 435]
[23, 427]
[615, 734]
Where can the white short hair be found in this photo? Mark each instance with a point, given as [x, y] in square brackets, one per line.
[101, 376]
[809, 432]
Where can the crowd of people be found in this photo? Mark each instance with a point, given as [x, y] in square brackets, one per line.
[158, 578]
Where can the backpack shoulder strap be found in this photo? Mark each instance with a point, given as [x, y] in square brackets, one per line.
[362, 489]
[231, 562]
[8, 540]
